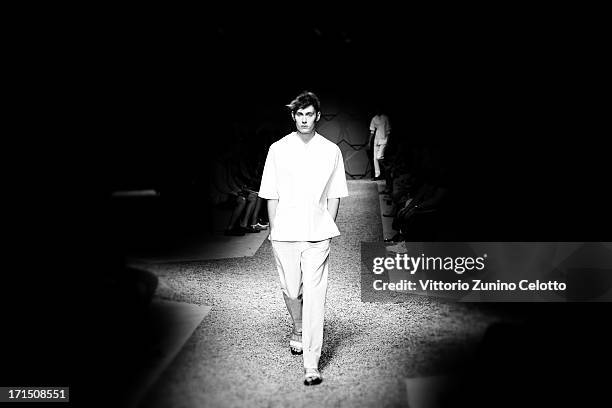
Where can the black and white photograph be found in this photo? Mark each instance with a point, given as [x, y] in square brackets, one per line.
[306, 211]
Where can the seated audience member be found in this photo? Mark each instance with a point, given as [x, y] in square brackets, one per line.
[421, 214]
[396, 154]
[405, 181]
[230, 189]
[250, 170]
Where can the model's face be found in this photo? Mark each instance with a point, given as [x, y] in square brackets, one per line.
[305, 119]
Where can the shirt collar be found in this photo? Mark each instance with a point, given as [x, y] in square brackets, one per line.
[298, 140]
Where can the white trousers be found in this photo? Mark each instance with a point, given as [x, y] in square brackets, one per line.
[302, 269]
[379, 154]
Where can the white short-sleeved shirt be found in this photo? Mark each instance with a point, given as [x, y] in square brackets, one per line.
[302, 176]
[382, 126]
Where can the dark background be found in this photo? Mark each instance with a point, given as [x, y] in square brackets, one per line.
[514, 109]
[145, 103]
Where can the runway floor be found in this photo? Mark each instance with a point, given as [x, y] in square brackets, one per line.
[238, 355]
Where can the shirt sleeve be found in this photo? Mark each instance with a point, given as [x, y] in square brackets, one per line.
[388, 127]
[337, 186]
[372, 125]
[267, 188]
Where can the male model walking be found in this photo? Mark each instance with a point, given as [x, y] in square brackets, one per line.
[380, 129]
[303, 181]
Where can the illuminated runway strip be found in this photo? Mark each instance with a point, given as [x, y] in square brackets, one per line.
[239, 355]
[135, 193]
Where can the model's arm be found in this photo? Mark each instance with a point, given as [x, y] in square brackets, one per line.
[272, 204]
[332, 207]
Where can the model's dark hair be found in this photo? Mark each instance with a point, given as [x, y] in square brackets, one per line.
[304, 100]
[379, 108]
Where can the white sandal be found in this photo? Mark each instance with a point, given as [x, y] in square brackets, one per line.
[296, 345]
[312, 376]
